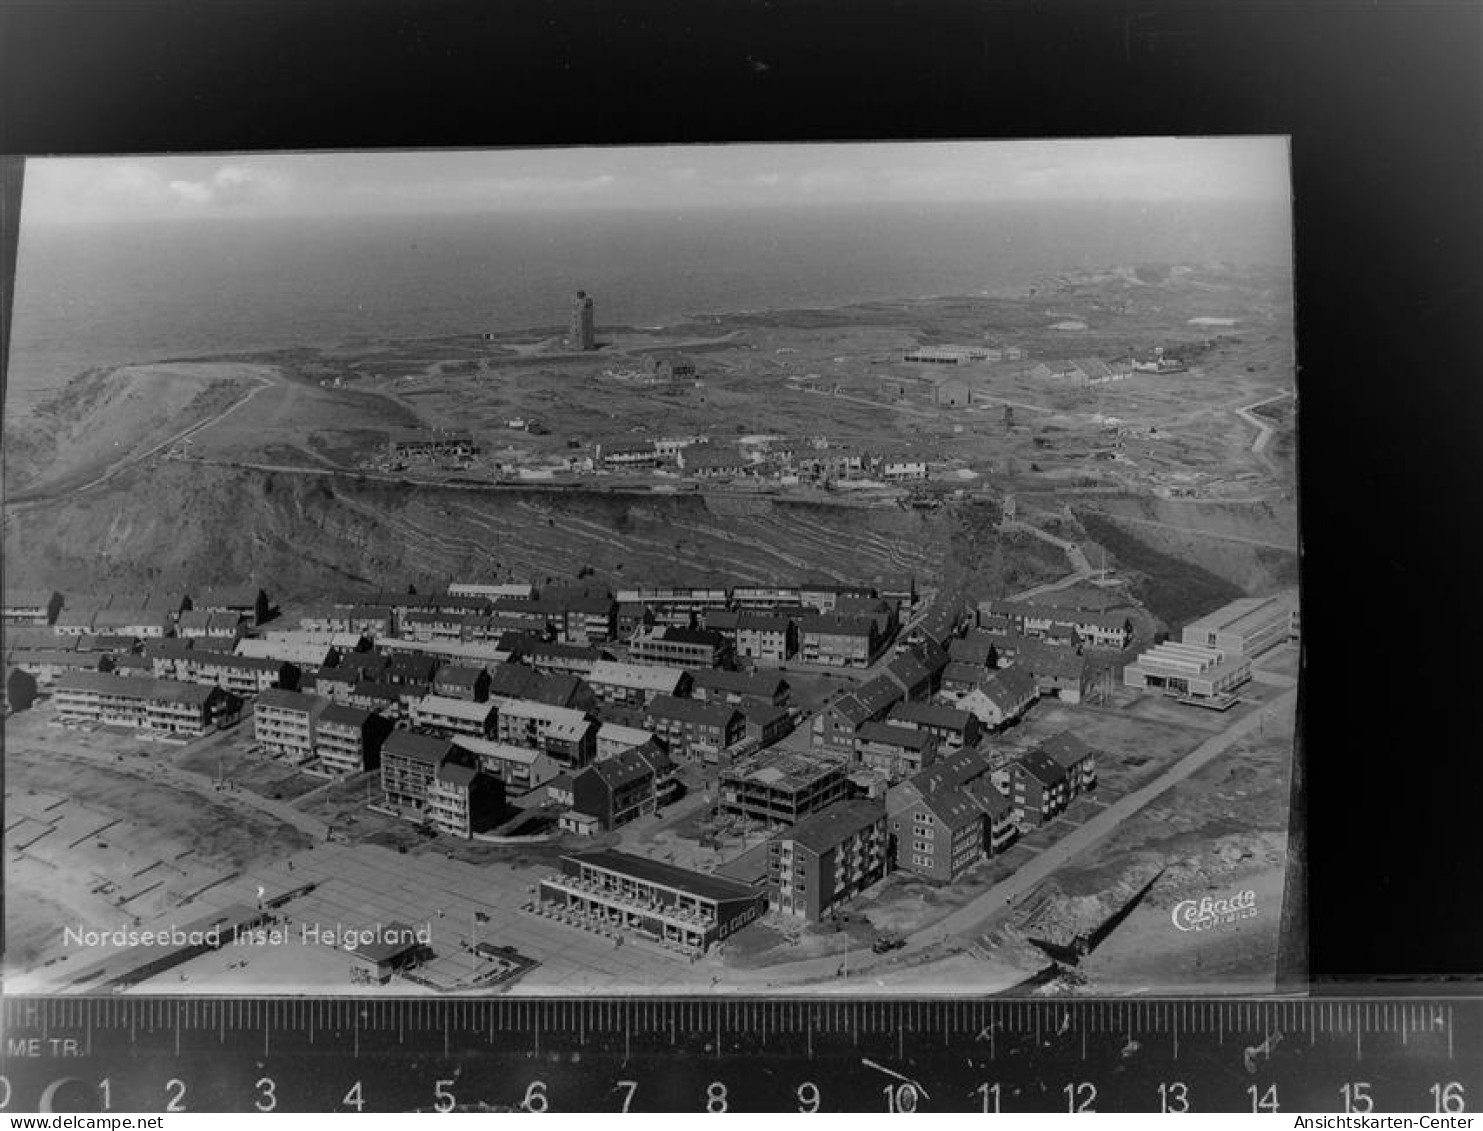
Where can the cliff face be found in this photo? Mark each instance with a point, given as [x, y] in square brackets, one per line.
[183, 524]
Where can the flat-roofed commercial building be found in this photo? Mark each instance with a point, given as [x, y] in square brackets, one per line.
[782, 785]
[1190, 671]
[1246, 627]
[283, 722]
[637, 897]
[828, 858]
[162, 705]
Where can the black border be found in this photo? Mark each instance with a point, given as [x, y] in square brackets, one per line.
[1384, 106]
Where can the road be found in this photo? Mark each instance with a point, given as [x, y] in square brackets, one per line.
[971, 918]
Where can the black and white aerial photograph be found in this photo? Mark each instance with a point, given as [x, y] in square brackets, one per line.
[839, 569]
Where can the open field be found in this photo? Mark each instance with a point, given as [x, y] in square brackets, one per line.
[89, 844]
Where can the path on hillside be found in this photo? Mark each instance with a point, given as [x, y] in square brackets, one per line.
[1081, 569]
[1263, 429]
[969, 919]
[114, 469]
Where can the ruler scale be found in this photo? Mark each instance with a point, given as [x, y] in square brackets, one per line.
[778, 1054]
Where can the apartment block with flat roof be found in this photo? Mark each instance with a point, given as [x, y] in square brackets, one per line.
[827, 859]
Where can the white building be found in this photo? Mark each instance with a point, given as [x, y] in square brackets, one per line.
[1245, 627]
[1188, 670]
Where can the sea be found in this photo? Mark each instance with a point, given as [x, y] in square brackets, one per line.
[101, 294]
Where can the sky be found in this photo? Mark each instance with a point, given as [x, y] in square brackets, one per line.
[287, 185]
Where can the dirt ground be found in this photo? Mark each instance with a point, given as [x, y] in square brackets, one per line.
[91, 845]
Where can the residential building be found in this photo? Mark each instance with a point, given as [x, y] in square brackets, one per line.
[449, 717]
[688, 648]
[783, 784]
[510, 681]
[902, 467]
[490, 590]
[1039, 788]
[765, 637]
[49, 664]
[433, 624]
[840, 641]
[1075, 757]
[952, 728]
[614, 739]
[716, 685]
[590, 618]
[160, 705]
[1056, 671]
[524, 722]
[75, 619]
[374, 621]
[827, 859]
[948, 817]
[249, 601]
[1189, 671]
[1245, 627]
[283, 722]
[31, 606]
[572, 741]
[692, 729]
[764, 596]
[432, 780]
[1001, 697]
[462, 681]
[521, 768]
[307, 656]
[764, 723]
[1095, 628]
[242, 675]
[347, 740]
[556, 657]
[617, 790]
[635, 685]
[199, 622]
[140, 623]
[684, 910]
[918, 670]
[959, 677]
[836, 727]
[896, 751]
